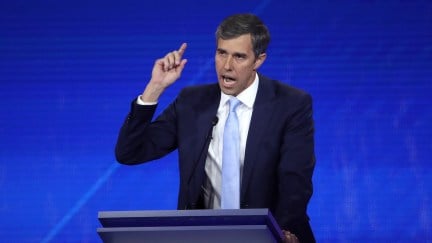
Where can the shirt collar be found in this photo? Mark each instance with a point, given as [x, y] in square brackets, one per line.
[247, 96]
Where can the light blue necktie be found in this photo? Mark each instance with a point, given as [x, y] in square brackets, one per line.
[230, 198]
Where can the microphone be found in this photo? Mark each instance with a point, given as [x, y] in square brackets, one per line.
[209, 137]
[207, 140]
[214, 122]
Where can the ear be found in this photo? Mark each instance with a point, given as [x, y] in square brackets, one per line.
[259, 60]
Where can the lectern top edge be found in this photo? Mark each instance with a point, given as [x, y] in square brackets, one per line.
[180, 213]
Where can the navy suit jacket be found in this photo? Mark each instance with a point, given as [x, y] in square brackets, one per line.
[279, 157]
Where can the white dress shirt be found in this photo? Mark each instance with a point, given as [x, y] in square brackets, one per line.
[213, 166]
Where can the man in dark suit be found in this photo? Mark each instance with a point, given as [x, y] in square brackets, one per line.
[275, 148]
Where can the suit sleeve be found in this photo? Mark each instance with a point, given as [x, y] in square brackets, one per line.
[295, 171]
[142, 140]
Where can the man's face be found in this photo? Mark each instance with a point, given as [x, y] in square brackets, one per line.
[236, 64]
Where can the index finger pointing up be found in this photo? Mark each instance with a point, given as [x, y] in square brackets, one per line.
[182, 48]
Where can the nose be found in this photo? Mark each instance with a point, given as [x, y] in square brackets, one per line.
[228, 63]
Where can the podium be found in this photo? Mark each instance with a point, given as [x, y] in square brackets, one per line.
[208, 226]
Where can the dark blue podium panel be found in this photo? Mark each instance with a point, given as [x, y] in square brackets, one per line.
[189, 234]
[243, 225]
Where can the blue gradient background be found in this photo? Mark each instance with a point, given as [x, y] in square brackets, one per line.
[69, 69]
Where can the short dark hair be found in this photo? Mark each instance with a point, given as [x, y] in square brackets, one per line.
[241, 24]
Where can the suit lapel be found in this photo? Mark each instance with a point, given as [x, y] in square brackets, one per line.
[259, 122]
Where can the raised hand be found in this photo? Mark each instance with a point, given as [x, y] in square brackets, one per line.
[168, 69]
[165, 72]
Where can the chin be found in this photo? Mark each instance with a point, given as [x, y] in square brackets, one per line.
[226, 91]
[229, 92]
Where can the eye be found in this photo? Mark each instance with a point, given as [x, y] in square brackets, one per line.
[221, 53]
[239, 57]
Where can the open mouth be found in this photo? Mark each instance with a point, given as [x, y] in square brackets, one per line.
[228, 80]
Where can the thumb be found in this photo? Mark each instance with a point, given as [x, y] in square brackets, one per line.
[182, 65]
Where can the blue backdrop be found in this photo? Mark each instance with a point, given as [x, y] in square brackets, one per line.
[68, 71]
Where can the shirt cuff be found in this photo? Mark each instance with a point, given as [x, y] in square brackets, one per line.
[140, 102]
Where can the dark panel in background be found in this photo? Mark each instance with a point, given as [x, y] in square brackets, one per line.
[68, 71]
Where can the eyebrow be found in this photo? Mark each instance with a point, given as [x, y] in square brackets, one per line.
[239, 54]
